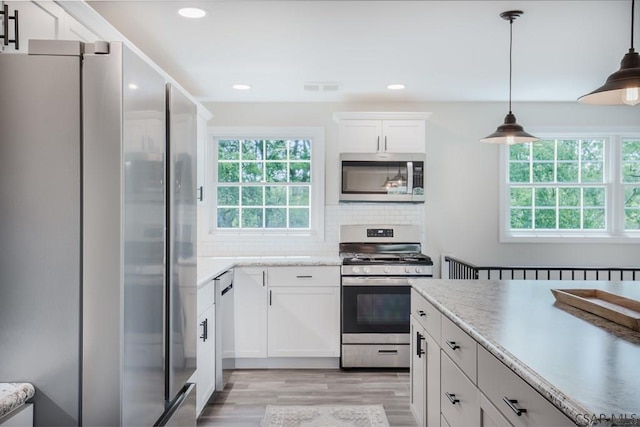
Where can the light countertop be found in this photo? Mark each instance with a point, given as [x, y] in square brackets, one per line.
[211, 267]
[582, 363]
[14, 395]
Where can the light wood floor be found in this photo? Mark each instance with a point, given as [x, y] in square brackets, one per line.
[243, 401]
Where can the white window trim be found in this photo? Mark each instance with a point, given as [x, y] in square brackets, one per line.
[315, 134]
[615, 212]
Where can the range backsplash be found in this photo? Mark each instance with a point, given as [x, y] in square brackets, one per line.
[336, 215]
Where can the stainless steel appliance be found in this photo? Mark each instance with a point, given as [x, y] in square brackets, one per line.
[377, 263]
[382, 177]
[97, 180]
[224, 303]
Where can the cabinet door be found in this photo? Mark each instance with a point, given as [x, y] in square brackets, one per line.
[360, 136]
[206, 357]
[202, 158]
[489, 415]
[250, 312]
[418, 370]
[304, 321]
[403, 136]
[38, 20]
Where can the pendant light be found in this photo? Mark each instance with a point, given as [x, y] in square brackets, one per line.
[510, 132]
[623, 86]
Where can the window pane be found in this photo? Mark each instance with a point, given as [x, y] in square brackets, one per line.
[275, 196]
[300, 149]
[594, 219]
[545, 218]
[543, 172]
[519, 172]
[631, 150]
[252, 150]
[252, 171]
[228, 217]
[228, 150]
[632, 208]
[519, 152]
[544, 150]
[632, 219]
[300, 172]
[545, 196]
[593, 150]
[275, 217]
[568, 172]
[631, 172]
[592, 172]
[228, 196]
[252, 196]
[299, 218]
[594, 197]
[276, 150]
[229, 172]
[277, 172]
[568, 150]
[569, 197]
[520, 219]
[299, 196]
[521, 196]
[252, 218]
[569, 219]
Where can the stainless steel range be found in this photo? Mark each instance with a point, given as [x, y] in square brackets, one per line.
[377, 263]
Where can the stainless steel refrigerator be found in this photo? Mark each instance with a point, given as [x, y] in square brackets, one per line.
[98, 231]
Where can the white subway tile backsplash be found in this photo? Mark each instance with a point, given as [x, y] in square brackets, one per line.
[336, 215]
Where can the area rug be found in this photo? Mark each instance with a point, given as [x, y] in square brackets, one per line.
[325, 416]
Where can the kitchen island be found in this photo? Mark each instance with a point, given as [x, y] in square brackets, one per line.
[586, 366]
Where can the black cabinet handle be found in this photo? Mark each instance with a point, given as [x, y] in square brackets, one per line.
[304, 277]
[388, 351]
[378, 144]
[422, 313]
[511, 403]
[227, 289]
[385, 143]
[205, 329]
[452, 345]
[269, 296]
[263, 278]
[419, 350]
[200, 193]
[452, 398]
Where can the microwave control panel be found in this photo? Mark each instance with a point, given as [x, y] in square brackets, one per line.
[379, 232]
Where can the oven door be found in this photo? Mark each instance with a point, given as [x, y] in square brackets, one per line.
[375, 309]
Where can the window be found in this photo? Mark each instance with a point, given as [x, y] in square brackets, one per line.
[268, 180]
[559, 188]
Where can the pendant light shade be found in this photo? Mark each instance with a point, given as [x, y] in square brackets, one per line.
[510, 132]
[623, 86]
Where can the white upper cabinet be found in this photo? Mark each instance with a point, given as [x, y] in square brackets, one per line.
[381, 132]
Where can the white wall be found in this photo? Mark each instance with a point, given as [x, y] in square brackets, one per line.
[461, 209]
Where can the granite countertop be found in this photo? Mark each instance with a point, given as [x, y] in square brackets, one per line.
[14, 395]
[584, 364]
[212, 267]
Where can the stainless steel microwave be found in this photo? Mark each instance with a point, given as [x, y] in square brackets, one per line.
[382, 177]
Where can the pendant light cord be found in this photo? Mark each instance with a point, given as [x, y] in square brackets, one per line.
[510, 58]
[633, 3]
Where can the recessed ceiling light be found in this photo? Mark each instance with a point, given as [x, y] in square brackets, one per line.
[133, 86]
[192, 12]
[241, 86]
[395, 87]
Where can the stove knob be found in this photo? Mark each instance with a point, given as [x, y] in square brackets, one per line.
[418, 270]
[366, 269]
[407, 269]
[387, 269]
[356, 270]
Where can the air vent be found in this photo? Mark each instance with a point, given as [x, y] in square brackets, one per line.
[321, 87]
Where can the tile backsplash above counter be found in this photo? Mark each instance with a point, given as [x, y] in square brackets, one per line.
[227, 245]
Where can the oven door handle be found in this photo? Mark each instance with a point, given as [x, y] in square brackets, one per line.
[375, 281]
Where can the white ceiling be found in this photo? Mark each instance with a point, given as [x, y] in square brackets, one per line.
[441, 50]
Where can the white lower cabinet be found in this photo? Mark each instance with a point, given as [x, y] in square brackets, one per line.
[206, 347]
[418, 371]
[249, 314]
[304, 321]
[458, 395]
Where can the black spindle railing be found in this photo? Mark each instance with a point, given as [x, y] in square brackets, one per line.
[459, 269]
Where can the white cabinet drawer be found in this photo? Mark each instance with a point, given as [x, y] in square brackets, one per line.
[460, 347]
[304, 275]
[511, 394]
[426, 314]
[458, 396]
[206, 296]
